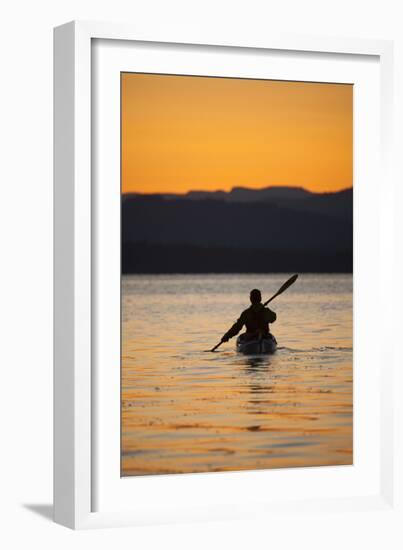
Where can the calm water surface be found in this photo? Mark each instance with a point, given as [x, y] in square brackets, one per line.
[184, 410]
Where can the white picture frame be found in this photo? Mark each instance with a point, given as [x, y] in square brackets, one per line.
[88, 491]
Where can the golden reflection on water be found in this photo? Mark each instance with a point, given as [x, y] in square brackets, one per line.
[184, 410]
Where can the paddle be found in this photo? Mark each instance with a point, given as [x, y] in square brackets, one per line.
[288, 283]
[215, 347]
[284, 287]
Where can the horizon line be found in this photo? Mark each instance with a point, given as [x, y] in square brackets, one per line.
[301, 188]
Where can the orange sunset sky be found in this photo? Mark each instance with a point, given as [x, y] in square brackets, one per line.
[182, 133]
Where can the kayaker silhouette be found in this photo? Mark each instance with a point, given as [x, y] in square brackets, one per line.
[257, 338]
[256, 319]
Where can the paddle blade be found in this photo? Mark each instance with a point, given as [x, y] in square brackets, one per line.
[288, 283]
[215, 347]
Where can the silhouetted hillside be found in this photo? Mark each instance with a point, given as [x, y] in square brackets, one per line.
[284, 229]
[244, 194]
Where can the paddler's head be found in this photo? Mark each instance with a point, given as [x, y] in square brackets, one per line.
[255, 296]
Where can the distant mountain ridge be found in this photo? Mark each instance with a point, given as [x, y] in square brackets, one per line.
[242, 194]
[243, 230]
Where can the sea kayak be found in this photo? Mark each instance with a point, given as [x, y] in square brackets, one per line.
[257, 346]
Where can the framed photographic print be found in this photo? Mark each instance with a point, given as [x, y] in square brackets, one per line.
[222, 246]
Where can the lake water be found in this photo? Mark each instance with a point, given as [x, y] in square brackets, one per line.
[184, 410]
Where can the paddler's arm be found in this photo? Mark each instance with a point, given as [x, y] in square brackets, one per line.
[233, 331]
[270, 315]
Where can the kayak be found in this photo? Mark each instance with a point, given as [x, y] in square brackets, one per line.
[256, 346]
